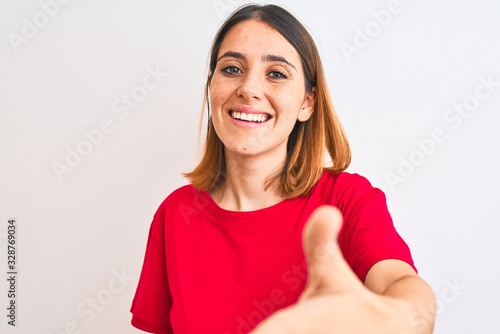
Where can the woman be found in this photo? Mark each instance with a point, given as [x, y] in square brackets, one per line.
[226, 252]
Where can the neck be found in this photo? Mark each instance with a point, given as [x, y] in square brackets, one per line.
[244, 186]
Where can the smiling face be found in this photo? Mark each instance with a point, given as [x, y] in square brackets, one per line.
[257, 92]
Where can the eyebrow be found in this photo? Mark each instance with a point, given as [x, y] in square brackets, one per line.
[266, 58]
[280, 59]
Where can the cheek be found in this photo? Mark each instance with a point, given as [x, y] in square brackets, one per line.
[219, 92]
[286, 105]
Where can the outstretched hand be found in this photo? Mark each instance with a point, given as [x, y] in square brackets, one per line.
[334, 300]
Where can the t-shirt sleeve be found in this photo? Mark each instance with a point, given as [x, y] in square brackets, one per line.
[152, 301]
[368, 234]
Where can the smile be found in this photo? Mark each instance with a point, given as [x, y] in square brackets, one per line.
[258, 118]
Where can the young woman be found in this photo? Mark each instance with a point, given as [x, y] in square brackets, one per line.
[265, 235]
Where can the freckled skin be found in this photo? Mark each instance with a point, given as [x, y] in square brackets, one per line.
[265, 85]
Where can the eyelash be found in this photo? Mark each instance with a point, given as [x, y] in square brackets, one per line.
[283, 75]
[229, 68]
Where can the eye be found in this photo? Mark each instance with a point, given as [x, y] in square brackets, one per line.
[231, 70]
[277, 75]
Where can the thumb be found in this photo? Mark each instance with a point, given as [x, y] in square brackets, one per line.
[328, 270]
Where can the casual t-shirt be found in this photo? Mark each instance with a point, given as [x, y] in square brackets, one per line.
[210, 270]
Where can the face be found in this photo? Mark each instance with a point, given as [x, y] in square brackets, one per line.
[257, 92]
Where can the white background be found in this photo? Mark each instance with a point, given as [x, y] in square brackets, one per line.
[77, 234]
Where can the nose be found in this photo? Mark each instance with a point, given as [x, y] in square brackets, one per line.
[251, 87]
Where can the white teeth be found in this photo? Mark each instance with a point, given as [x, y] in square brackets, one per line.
[249, 117]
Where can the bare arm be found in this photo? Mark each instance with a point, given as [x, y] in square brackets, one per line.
[394, 300]
[397, 279]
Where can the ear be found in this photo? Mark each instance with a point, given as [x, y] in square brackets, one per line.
[307, 106]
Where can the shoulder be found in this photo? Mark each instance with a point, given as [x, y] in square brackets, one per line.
[346, 189]
[186, 195]
[181, 194]
[181, 205]
[344, 183]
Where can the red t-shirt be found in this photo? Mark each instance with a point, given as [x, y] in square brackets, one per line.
[210, 270]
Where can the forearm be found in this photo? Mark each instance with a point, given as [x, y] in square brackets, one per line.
[419, 294]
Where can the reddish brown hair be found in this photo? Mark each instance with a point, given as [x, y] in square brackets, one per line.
[308, 140]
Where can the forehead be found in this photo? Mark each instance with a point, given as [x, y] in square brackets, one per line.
[253, 37]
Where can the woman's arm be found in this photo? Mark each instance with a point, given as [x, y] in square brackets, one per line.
[397, 279]
[394, 300]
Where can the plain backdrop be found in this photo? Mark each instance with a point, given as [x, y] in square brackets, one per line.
[417, 90]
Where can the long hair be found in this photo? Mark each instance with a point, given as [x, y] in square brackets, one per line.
[308, 141]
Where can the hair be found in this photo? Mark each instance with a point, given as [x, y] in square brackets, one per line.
[308, 141]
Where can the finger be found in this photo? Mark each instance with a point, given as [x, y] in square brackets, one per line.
[328, 270]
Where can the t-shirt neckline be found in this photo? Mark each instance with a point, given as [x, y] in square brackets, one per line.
[260, 216]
